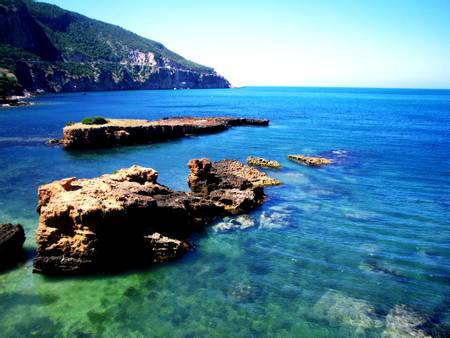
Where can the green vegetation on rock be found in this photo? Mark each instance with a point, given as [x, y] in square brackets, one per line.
[8, 84]
[94, 120]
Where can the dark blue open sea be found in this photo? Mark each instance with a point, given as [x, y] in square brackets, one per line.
[357, 249]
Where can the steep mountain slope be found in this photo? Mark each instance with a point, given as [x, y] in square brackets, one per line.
[50, 49]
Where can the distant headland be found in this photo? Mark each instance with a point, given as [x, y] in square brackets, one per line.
[46, 49]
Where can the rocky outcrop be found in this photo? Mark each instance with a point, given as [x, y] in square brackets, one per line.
[262, 162]
[229, 185]
[128, 219]
[222, 174]
[13, 103]
[310, 160]
[127, 132]
[12, 238]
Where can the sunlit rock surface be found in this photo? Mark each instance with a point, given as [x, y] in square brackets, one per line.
[126, 132]
[310, 160]
[127, 218]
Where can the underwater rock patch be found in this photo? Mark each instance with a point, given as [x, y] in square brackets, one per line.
[373, 266]
[273, 220]
[402, 322]
[241, 222]
[357, 313]
[54, 142]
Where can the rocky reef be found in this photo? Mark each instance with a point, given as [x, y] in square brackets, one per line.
[128, 219]
[404, 322]
[126, 132]
[310, 160]
[262, 162]
[12, 238]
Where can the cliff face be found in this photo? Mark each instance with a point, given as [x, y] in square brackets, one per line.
[20, 29]
[53, 50]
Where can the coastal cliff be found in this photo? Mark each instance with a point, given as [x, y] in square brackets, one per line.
[49, 49]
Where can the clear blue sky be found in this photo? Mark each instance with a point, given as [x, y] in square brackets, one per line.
[379, 43]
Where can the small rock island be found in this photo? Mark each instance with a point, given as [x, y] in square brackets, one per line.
[311, 161]
[114, 132]
[128, 219]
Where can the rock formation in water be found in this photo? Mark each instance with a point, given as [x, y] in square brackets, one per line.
[262, 162]
[228, 184]
[404, 322]
[126, 132]
[128, 219]
[310, 160]
[12, 238]
[49, 49]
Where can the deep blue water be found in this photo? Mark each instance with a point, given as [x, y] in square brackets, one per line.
[331, 253]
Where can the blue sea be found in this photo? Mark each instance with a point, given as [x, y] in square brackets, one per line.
[360, 248]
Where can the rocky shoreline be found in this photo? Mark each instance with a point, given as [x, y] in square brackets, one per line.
[127, 219]
[128, 132]
[15, 101]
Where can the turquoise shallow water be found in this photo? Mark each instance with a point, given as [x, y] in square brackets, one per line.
[330, 254]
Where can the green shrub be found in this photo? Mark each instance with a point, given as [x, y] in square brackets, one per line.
[94, 120]
[70, 123]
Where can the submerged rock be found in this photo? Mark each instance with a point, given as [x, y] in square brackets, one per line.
[274, 220]
[127, 218]
[310, 160]
[373, 266]
[164, 248]
[126, 132]
[241, 222]
[262, 162]
[339, 308]
[54, 142]
[241, 292]
[402, 322]
[12, 238]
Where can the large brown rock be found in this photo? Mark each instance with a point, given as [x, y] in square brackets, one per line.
[228, 184]
[12, 238]
[125, 132]
[86, 224]
[206, 175]
[127, 218]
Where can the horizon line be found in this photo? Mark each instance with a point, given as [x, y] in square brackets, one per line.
[342, 87]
